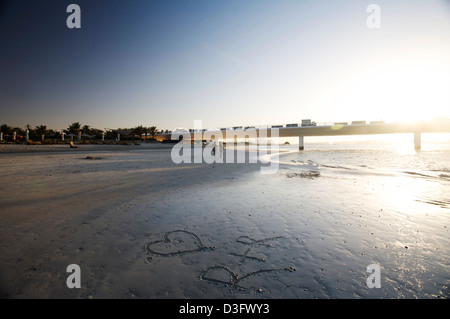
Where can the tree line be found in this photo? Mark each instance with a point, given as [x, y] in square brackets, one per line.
[41, 131]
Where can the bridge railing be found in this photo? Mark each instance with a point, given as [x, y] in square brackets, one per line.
[268, 126]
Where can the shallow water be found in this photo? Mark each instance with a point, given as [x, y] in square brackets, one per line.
[374, 204]
[424, 175]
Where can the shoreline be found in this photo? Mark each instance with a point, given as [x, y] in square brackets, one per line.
[24, 148]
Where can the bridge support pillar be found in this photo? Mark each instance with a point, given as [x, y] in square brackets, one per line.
[301, 144]
[417, 141]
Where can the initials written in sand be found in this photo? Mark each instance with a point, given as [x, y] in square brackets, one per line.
[181, 242]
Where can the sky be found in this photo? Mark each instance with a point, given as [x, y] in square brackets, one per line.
[227, 63]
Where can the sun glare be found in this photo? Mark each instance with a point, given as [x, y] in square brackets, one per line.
[408, 91]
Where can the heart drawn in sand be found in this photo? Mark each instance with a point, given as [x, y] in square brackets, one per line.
[175, 243]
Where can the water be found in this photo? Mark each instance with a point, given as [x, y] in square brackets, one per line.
[373, 203]
[396, 157]
[425, 173]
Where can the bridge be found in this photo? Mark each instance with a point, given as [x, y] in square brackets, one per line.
[301, 130]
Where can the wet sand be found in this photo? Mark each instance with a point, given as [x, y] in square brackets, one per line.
[93, 206]
[140, 226]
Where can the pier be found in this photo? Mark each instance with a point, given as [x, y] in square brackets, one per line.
[302, 130]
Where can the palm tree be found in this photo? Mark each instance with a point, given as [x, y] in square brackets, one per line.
[152, 130]
[138, 130]
[146, 131]
[74, 128]
[42, 130]
[86, 129]
[6, 129]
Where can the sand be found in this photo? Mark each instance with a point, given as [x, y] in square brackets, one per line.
[140, 226]
[93, 206]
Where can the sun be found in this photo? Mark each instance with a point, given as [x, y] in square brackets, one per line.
[407, 91]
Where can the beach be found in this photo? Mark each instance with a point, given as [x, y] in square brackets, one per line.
[141, 226]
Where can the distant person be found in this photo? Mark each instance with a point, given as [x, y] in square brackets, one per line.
[214, 147]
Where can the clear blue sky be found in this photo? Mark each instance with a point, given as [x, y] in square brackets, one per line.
[168, 63]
